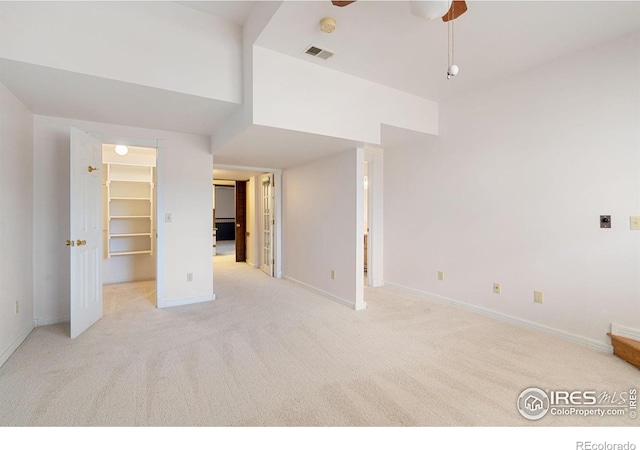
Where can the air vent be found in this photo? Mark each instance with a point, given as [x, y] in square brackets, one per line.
[319, 53]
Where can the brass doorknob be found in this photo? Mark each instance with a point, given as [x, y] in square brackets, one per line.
[70, 243]
[79, 242]
[91, 169]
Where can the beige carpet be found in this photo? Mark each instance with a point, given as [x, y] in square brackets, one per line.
[268, 352]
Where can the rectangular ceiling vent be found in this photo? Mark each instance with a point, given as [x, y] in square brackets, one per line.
[319, 53]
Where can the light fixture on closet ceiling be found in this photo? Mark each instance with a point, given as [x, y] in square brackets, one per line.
[122, 150]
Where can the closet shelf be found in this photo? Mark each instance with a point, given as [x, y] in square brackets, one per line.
[130, 209]
[128, 180]
[130, 217]
[141, 252]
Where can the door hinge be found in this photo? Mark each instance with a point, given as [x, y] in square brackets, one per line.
[273, 221]
[273, 262]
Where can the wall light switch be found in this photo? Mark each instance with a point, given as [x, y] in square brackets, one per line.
[167, 218]
[605, 221]
[635, 222]
[497, 288]
[441, 276]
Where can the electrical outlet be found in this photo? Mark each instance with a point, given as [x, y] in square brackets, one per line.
[497, 289]
[189, 276]
[441, 275]
[17, 306]
[538, 296]
[333, 274]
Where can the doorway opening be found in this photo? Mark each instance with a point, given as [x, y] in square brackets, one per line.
[267, 207]
[224, 217]
[129, 199]
[373, 215]
[366, 219]
[114, 205]
[245, 218]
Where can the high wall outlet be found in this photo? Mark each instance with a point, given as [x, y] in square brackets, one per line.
[538, 296]
[497, 288]
[190, 276]
[440, 275]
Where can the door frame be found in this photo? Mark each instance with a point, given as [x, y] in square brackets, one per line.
[160, 145]
[267, 267]
[375, 239]
[277, 237]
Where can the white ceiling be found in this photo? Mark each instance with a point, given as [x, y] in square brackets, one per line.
[382, 42]
[232, 11]
[375, 40]
[260, 146]
[59, 93]
[226, 174]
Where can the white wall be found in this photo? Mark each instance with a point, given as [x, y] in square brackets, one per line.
[184, 178]
[225, 202]
[158, 44]
[16, 222]
[297, 95]
[261, 14]
[512, 190]
[319, 222]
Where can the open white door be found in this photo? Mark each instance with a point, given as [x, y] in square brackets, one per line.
[267, 224]
[86, 231]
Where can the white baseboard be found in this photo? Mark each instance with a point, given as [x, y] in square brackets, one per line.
[507, 318]
[163, 303]
[335, 298]
[16, 342]
[44, 322]
[624, 331]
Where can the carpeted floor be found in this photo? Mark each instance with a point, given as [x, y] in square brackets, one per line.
[270, 353]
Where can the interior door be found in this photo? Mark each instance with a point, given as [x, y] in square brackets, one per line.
[241, 221]
[85, 239]
[267, 224]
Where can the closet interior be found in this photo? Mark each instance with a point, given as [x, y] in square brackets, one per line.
[129, 213]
